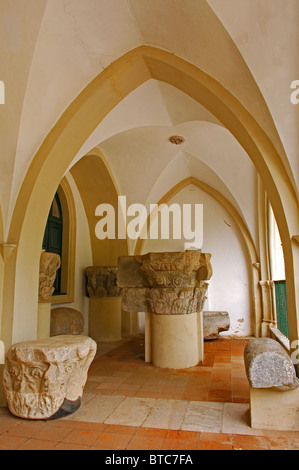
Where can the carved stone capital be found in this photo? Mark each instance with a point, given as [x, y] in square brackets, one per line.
[49, 264]
[174, 269]
[45, 379]
[175, 301]
[164, 283]
[164, 301]
[101, 281]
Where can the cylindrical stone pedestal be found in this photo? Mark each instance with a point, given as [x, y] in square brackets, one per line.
[105, 318]
[176, 340]
[170, 288]
[104, 303]
[129, 324]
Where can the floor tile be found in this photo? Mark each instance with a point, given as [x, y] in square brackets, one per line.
[132, 411]
[11, 442]
[166, 414]
[130, 404]
[236, 419]
[203, 417]
[38, 444]
[112, 441]
[97, 409]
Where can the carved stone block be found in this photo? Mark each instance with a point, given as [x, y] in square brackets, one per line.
[101, 281]
[66, 321]
[135, 299]
[49, 264]
[164, 301]
[214, 323]
[177, 270]
[174, 301]
[164, 283]
[45, 379]
[129, 273]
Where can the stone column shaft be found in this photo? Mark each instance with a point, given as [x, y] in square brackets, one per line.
[104, 303]
[170, 288]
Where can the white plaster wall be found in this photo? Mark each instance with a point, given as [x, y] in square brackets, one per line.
[83, 257]
[229, 286]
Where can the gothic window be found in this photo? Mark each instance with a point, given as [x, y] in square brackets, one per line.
[53, 237]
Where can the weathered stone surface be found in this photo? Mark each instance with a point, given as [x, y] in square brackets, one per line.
[45, 379]
[101, 281]
[164, 301]
[164, 283]
[173, 301]
[269, 366]
[129, 273]
[214, 323]
[66, 321]
[174, 269]
[135, 299]
[49, 264]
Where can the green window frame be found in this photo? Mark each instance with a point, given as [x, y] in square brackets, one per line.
[53, 237]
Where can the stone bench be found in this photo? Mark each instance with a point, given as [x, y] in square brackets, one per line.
[274, 386]
[44, 379]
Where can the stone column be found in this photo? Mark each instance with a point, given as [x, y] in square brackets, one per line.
[104, 323]
[171, 288]
[49, 264]
[268, 297]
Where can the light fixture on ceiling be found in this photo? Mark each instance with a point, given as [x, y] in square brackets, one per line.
[177, 139]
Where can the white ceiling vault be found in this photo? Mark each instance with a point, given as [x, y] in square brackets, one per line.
[52, 49]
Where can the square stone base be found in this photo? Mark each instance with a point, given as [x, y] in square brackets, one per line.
[274, 409]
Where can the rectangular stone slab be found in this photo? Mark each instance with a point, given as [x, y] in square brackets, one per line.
[174, 269]
[135, 299]
[129, 273]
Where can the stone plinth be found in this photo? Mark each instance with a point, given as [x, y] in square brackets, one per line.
[66, 321]
[170, 288]
[214, 323]
[274, 409]
[104, 322]
[45, 379]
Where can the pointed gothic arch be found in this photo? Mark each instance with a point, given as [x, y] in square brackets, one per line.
[80, 120]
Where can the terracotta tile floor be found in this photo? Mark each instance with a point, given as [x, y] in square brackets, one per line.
[220, 378]
[121, 372]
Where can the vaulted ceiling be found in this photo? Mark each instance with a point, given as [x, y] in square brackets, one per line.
[52, 49]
